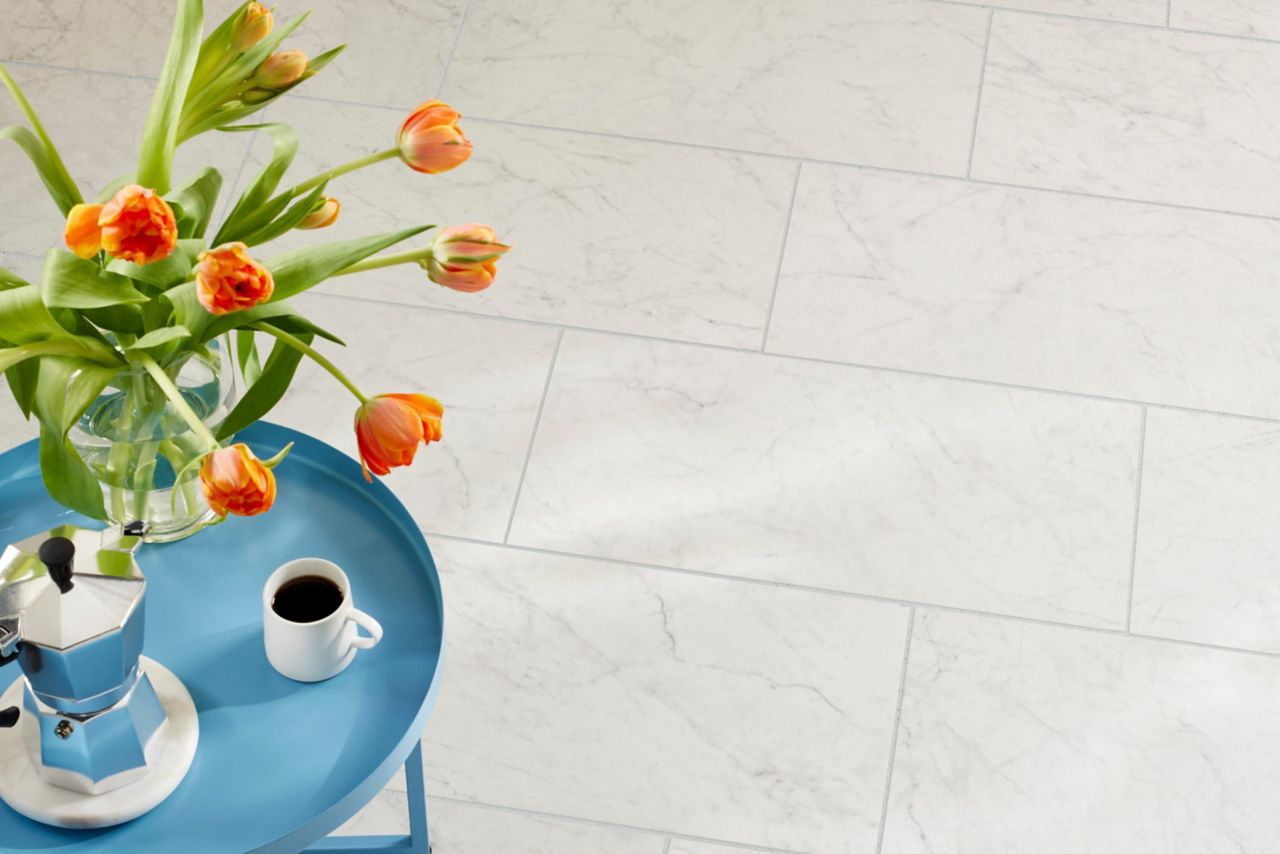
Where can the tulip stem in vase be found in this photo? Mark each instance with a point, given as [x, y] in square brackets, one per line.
[314, 355]
[179, 402]
[337, 171]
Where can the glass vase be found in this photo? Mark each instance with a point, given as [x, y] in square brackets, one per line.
[142, 451]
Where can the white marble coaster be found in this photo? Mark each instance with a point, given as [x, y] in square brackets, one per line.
[23, 789]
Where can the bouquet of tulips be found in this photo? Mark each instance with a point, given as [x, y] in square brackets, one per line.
[147, 282]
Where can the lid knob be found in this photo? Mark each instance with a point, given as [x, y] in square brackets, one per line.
[58, 554]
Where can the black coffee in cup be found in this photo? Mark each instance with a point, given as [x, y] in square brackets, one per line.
[307, 598]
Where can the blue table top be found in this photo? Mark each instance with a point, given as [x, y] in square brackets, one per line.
[280, 764]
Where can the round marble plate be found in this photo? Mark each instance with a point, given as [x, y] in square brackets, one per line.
[23, 789]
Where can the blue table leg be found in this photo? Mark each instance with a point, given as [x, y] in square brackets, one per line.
[417, 842]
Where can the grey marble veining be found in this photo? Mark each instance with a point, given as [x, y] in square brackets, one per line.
[835, 477]
[684, 846]
[1024, 737]
[122, 36]
[1126, 300]
[655, 239]
[1134, 112]
[465, 829]
[900, 75]
[396, 49]
[1132, 11]
[732, 711]
[1208, 547]
[1258, 18]
[489, 375]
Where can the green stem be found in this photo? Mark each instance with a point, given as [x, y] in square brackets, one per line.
[178, 401]
[358, 163]
[314, 355]
[411, 255]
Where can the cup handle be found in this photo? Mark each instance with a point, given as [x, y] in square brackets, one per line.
[370, 625]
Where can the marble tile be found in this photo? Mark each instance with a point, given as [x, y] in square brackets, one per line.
[876, 483]
[1257, 18]
[1207, 541]
[1132, 11]
[465, 829]
[755, 75]
[608, 233]
[14, 429]
[698, 706]
[125, 36]
[396, 50]
[1023, 737]
[1133, 112]
[95, 120]
[488, 374]
[1127, 300]
[684, 846]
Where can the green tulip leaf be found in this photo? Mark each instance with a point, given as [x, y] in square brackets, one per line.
[53, 171]
[160, 137]
[168, 271]
[71, 282]
[266, 392]
[67, 478]
[296, 271]
[193, 204]
[284, 148]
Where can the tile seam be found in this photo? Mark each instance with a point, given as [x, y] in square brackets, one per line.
[977, 106]
[897, 725]
[533, 436]
[843, 164]
[1117, 632]
[648, 831]
[782, 253]
[1137, 509]
[457, 37]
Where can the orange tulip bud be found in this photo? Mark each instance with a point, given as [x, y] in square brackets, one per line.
[83, 234]
[138, 226]
[280, 70]
[323, 215]
[227, 279]
[390, 427]
[237, 482]
[465, 257]
[430, 140]
[254, 26]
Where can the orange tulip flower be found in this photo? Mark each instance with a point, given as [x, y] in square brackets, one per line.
[430, 141]
[227, 280]
[138, 226]
[254, 26]
[390, 427]
[281, 70]
[465, 257]
[324, 215]
[83, 234]
[237, 482]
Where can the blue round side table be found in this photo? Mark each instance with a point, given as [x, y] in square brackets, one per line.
[280, 764]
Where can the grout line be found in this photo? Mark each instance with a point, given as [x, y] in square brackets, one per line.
[888, 369]
[848, 594]
[533, 435]
[457, 37]
[617, 826]
[977, 106]
[782, 253]
[1137, 504]
[845, 164]
[897, 723]
[1141, 25]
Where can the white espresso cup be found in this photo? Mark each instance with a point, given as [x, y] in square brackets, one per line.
[323, 648]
